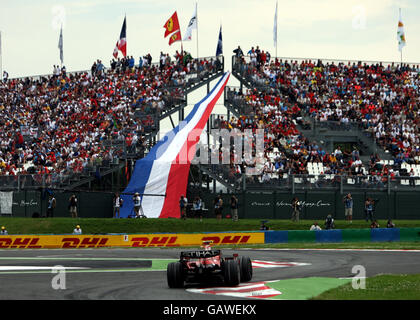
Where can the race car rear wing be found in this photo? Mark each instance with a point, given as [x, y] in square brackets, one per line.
[200, 254]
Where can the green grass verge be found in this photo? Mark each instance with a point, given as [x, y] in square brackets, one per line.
[304, 288]
[109, 225]
[381, 287]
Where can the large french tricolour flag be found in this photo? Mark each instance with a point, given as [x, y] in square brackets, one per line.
[162, 176]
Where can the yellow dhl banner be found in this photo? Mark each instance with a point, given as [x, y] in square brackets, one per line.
[132, 240]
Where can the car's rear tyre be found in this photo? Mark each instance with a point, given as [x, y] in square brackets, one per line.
[232, 273]
[174, 273]
[246, 269]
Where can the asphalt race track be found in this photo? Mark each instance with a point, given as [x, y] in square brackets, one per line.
[129, 273]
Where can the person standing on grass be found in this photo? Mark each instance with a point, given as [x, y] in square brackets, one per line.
[73, 206]
[138, 210]
[198, 207]
[234, 207]
[183, 207]
[348, 207]
[51, 206]
[118, 203]
[296, 209]
[218, 207]
[369, 209]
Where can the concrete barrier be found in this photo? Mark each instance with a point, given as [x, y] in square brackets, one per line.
[346, 235]
[381, 235]
[329, 236]
[410, 234]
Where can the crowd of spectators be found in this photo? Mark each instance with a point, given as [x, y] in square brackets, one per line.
[382, 100]
[286, 150]
[57, 124]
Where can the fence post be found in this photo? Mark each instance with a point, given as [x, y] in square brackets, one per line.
[341, 183]
[293, 183]
[24, 204]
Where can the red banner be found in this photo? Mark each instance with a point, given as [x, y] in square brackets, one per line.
[171, 25]
[175, 37]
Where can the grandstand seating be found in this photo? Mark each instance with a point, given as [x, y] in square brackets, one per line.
[381, 99]
[60, 124]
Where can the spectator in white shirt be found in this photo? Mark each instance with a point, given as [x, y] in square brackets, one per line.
[3, 231]
[77, 230]
[315, 226]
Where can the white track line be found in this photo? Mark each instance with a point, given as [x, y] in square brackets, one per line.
[33, 268]
[337, 249]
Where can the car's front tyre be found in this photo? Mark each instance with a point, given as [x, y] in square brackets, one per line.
[246, 269]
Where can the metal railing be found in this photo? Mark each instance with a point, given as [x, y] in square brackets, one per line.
[343, 183]
[236, 100]
[329, 61]
[219, 65]
[54, 180]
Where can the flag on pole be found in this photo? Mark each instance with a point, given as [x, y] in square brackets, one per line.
[60, 45]
[219, 49]
[164, 171]
[172, 25]
[191, 25]
[175, 37]
[275, 27]
[122, 42]
[400, 34]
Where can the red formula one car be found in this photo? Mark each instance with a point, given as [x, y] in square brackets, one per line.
[207, 264]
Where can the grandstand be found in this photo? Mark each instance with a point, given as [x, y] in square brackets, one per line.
[321, 103]
[63, 130]
[331, 127]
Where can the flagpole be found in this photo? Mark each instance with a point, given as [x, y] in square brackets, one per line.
[61, 49]
[1, 59]
[125, 19]
[182, 46]
[401, 47]
[276, 27]
[196, 20]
